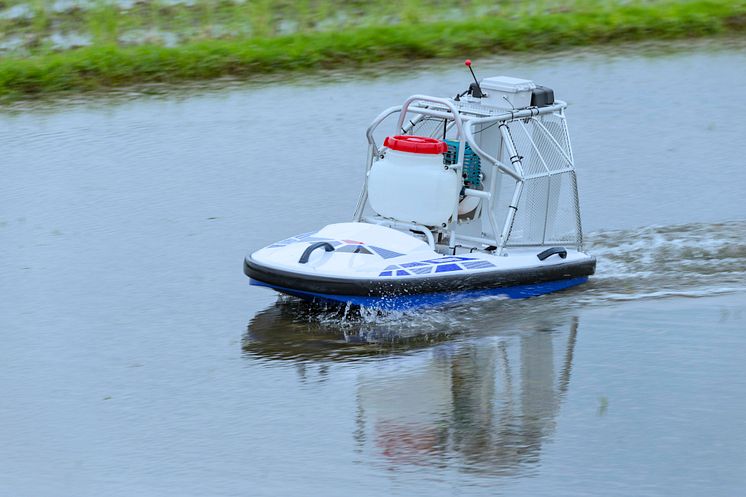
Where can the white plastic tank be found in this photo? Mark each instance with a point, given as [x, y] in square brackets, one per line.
[412, 184]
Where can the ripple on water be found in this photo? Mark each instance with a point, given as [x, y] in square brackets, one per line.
[686, 260]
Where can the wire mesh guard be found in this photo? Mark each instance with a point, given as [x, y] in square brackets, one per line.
[548, 211]
[429, 126]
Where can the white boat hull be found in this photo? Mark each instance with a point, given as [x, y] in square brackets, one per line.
[375, 266]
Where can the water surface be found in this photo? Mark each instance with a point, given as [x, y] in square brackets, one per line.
[137, 361]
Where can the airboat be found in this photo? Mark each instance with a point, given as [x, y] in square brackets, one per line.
[467, 197]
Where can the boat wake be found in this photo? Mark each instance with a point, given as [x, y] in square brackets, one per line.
[691, 260]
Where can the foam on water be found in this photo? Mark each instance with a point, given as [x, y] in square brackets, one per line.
[694, 260]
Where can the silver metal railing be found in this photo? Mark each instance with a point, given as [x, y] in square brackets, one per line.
[465, 117]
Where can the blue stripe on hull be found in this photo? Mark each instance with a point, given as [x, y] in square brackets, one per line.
[432, 299]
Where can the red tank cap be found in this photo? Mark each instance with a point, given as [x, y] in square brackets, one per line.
[416, 144]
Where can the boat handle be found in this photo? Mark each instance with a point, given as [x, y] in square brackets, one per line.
[561, 251]
[328, 247]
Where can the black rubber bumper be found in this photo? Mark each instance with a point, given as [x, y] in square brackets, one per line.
[411, 286]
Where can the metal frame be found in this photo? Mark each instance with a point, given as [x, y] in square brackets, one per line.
[465, 115]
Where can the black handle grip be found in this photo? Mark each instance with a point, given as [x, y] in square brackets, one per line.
[328, 247]
[561, 251]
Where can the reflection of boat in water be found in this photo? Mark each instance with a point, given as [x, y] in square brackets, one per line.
[291, 329]
[484, 403]
[487, 407]
[288, 330]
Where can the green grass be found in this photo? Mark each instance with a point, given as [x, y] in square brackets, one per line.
[528, 26]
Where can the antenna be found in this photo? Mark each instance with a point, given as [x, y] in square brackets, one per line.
[468, 64]
[475, 89]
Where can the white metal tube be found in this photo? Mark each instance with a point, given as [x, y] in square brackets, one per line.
[477, 239]
[409, 226]
[510, 218]
[383, 115]
[513, 207]
[477, 193]
[364, 194]
[520, 114]
[490, 210]
[443, 101]
[485, 156]
[459, 167]
[432, 112]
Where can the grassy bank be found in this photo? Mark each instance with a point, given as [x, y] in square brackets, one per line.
[109, 63]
